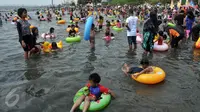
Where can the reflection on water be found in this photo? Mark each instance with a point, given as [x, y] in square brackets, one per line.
[32, 72]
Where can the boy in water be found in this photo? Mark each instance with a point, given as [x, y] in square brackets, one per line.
[95, 92]
[92, 37]
[136, 71]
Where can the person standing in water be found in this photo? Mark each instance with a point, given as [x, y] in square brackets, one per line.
[23, 27]
[131, 24]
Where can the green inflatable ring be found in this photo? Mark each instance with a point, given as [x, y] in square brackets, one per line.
[111, 16]
[117, 29]
[171, 24]
[72, 22]
[94, 105]
[73, 39]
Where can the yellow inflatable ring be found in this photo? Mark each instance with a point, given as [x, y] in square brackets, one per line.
[197, 44]
[61, 22]
[76, 29]
[76, 19]
[158, 75]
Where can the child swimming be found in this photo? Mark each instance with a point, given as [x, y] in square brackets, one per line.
[95, 90]
[136, 71]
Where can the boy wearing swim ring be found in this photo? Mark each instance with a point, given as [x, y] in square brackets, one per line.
[95, 92]
[72, 32]
[136, 71]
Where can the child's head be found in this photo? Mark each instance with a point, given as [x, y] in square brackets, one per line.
[93, 26]
[118, 21]
[73, 26]
[35, 31]
[112, 35]
[160, 33]
[144, 62]
[54, 45]
[69, 26]
[94, 79]
[112, 20]
[22, 12]
[51, 30]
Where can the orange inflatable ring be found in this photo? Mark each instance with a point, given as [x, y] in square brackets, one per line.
[158, 75]
[61, 22]
[31, 27]
[197, 44]
[76, 29]
[76, 19]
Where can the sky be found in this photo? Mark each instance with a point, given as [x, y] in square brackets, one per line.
[29, 2]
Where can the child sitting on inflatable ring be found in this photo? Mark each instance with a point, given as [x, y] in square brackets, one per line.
[54, 47]
[138, 70]
[95, 90]
[72, 32]
[118, 24]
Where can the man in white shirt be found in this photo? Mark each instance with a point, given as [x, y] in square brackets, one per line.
[131, 24]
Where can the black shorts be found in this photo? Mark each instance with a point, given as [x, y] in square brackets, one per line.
[133, 70]
[100, 26]
[28, 41]
[131, 40]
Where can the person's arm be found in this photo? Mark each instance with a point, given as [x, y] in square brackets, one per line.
[112, 93]
[148, 69]
[19, 31]
[127, 25]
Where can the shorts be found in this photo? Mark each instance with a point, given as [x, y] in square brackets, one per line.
[28, 41]
[100, 26]
[134, 70]
[131, 40]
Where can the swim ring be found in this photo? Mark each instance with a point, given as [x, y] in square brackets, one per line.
[117, 29]
[197, 44]
[158, 75]
[88, 26]
[171, 24]
[42, 19]
[72, 22]
[48, 36]
[61, 22]
[76, 19]
[73, 39]
[94, 105]
[163, 47]
[46, 47]
[111, 16]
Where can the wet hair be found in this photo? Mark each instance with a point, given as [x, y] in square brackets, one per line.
[144, 61]
[54, 45]
[107, 34]
[20, 11]
[117, 20]
[93, 26]
[33, 31]
[69, 26]
[112, 34]
[130, 11]
[95, 78]
[190, 15]
[160, 33]
[51, 30]
[112, 20]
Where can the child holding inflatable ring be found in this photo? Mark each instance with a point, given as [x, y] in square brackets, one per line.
[137, 70]
[95, 90]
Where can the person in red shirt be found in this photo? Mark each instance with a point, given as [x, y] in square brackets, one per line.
[95, 92]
